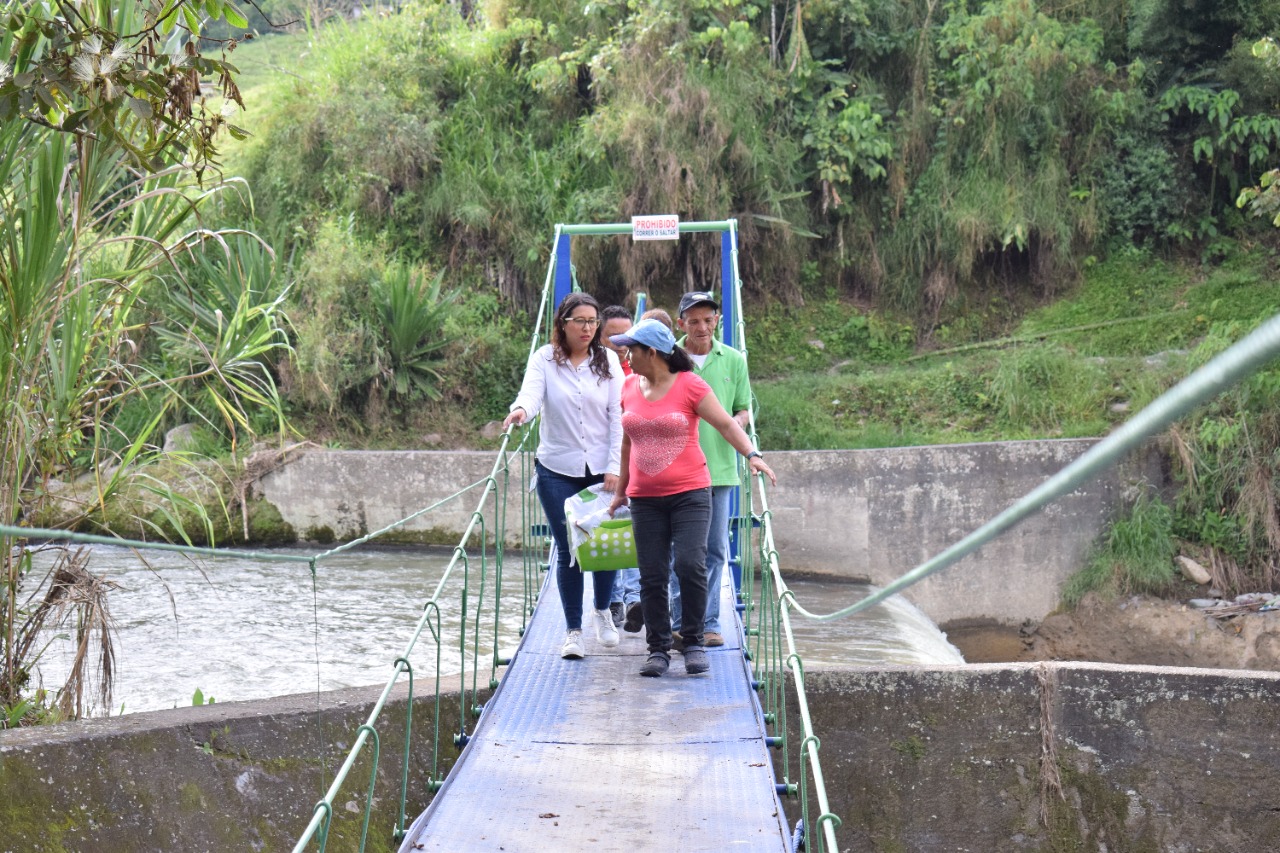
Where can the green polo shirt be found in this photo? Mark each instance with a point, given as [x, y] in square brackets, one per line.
[725, 370]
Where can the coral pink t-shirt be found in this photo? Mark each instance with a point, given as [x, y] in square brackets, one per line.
[665, 456]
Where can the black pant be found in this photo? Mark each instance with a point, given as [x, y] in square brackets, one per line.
[671, 533]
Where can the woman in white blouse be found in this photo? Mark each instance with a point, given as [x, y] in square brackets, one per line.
[575, 383]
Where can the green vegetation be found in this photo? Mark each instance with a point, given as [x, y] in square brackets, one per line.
[1136, 556]
[926, 178]
[912, 747]
[121, 310]
[1076, 367]
[961, 221]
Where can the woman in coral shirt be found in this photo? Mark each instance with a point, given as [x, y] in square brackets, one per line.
[665, 479]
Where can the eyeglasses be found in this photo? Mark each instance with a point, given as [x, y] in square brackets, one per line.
[584, 322]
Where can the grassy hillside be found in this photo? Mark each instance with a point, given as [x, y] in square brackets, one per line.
[1076, 366]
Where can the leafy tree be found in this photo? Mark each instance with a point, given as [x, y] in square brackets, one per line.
[103, 141]
[1233, 147]
[1186, 40]
[128, 73]
[1264, 199]
[997, 184]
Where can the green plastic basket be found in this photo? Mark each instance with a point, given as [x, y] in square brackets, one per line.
[611, 546]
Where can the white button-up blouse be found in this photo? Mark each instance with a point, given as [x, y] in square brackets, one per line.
[581, 414]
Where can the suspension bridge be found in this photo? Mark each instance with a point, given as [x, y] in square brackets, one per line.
[585, 754]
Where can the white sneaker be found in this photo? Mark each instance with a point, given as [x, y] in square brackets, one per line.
[572, 648]
[606, 631]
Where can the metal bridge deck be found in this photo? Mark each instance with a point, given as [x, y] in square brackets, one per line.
[588, 755]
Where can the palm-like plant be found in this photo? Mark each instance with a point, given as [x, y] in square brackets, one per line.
[220, 325]
[413, 315]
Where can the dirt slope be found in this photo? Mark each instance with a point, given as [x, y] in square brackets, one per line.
[1136, 630]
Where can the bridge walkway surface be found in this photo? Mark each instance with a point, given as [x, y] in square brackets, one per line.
[589, 755]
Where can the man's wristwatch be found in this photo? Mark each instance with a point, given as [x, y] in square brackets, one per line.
[755, 454]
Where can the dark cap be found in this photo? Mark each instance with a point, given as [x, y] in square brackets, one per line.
[697, 297]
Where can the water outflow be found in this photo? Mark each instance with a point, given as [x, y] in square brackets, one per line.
[894, 631]
[238, 628]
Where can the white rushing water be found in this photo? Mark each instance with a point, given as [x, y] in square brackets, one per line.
[240, 628]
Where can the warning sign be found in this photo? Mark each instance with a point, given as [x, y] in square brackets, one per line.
[666, 227]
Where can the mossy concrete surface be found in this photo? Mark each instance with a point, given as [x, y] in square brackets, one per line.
[234, 776]
[1048, 757]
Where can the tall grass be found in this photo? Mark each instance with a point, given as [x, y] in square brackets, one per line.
[1228, 460]
[1042, 388]
[1135, 556]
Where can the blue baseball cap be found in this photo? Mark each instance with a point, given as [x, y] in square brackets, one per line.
[650, 333]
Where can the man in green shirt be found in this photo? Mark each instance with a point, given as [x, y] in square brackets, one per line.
[725, 370]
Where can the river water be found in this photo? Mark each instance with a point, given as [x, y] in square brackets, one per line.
[241, 628]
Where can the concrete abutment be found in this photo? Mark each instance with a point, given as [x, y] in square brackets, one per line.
[1017, 757]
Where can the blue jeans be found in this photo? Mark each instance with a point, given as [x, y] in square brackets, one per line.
[553, 490]
[626, 588]
[663, 526]
[717, 554]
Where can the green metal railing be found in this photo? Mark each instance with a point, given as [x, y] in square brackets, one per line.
[769, 642]
[474, 610]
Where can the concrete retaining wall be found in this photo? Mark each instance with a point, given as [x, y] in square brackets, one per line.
[234, 777]
[1038, 757]
[866, 515]
[1050, 757]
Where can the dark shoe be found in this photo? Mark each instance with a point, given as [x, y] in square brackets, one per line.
[635, 618]
[695, 660]
[656, 665]
[615, 610]
[712, 639]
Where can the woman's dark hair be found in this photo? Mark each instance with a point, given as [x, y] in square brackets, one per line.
[596, 353]
[677, 360]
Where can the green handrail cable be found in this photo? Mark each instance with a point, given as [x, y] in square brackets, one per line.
[325, 804]
[324, 807]
[323, 810]
[776, 632]
[315, 646]
[1229, 367]
[53, 535]
[354, 543]
[1221, 372]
